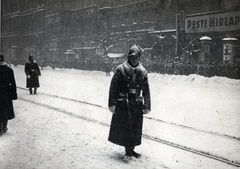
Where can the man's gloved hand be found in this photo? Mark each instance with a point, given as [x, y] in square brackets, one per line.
[146, 111]
[112, 109]
[28, 76]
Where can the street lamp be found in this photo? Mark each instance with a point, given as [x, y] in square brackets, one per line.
[69, 53]
[205, 48]
[113, 28]
[146, 24]
[135, 26]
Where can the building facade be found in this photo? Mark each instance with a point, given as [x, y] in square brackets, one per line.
[94, 29]
[22, 28]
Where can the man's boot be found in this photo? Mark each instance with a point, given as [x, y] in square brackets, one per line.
[30, 90]
[1, 128]
[128, 154]
[35, 90]
[5, 129]
[135, 154]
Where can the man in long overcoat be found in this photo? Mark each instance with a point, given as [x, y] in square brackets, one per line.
[129, 99]
[32, 72]
[107, 68]
[7, 94]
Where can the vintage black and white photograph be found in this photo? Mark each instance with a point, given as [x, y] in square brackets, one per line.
[113, 84]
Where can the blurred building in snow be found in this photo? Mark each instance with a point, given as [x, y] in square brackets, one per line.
[166, 30]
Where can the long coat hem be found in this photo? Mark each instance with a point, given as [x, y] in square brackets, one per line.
[8, 93]
[123, 144]
[126, 86]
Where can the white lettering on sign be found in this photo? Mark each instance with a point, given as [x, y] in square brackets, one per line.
[213, 22]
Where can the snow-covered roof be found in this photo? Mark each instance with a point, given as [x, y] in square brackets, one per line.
[205, 38]
[69, 52]
[163, 31]
[115, 55]
[229, 38]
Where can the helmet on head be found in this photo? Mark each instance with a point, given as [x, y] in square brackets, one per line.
[135, 51]
[30, 59]
[134, 56]
[1, 57]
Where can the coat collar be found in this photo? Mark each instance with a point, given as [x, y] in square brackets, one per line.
[3, 63]
[131, 69]
[34, 61]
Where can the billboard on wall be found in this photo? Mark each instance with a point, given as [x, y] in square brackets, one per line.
[212, 22]
[228, 53]
[99, 51]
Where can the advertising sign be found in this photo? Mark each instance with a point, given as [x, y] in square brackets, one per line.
[212, 22]
[228, 53]
[99, 51]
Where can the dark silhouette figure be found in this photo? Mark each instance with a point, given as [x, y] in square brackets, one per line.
[32, 72]
[8, 93]
[129, 99]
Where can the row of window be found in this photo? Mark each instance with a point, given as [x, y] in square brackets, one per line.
[124, 2]
[137, 12]
[13, 6]
[26, 23]
[76, 4]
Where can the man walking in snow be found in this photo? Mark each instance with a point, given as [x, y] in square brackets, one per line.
[107, 68]
[32, 72]
[8, 93]
[129, 99]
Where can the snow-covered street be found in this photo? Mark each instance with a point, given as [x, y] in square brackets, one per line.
[193, 111]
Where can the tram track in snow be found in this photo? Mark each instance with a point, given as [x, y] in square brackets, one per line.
[150, 118]
[162, 141]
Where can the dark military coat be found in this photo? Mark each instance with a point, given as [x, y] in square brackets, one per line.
[129, 92]
[7, 92]
[33, 70]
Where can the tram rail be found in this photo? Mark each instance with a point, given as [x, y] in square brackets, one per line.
[146, 136]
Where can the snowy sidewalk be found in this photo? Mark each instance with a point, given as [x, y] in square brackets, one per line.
[71, 135]
[219, 145]
[208, 104]
[42, 138]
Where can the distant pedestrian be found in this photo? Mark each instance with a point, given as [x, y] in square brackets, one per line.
[107, 68]
[8, 93]
[42, 64]
[129, 99]
[32, 72]
[53, 65]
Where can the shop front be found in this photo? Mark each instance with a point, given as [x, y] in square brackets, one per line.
[223, 32]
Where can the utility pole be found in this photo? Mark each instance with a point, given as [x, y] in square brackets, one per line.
[177, 34]
[0, 26]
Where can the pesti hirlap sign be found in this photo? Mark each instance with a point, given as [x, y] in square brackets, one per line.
[213, 22]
